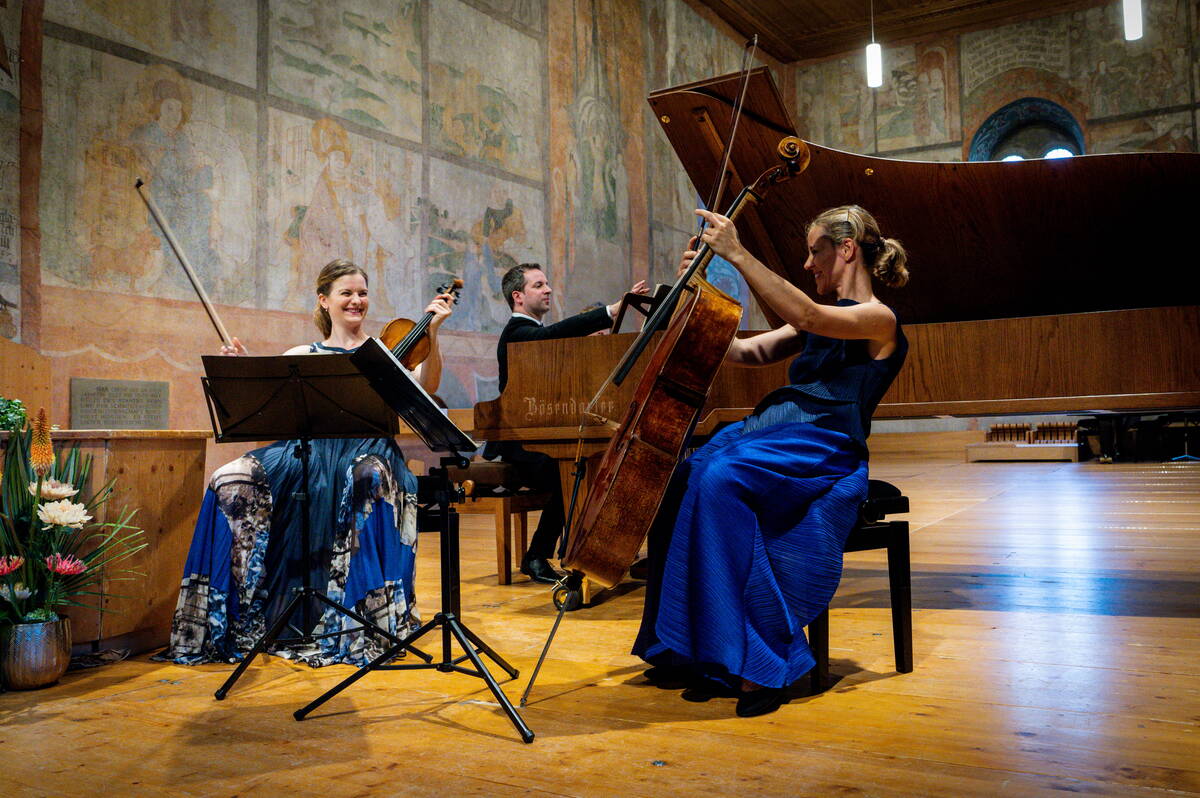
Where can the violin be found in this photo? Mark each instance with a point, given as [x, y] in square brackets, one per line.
[408, 340]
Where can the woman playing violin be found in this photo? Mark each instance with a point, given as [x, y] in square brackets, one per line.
[246, 554]
[342, 302]
[747, 547]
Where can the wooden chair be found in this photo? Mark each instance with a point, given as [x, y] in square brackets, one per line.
[872, 532]
[488, 476]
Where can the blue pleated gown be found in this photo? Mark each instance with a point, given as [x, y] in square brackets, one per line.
[747, 547]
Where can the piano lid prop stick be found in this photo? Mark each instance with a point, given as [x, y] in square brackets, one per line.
[187, 266]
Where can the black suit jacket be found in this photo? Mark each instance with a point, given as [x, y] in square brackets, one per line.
[522, 329]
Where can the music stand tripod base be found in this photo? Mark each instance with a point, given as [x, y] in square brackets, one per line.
[447, 620]
[393, 383]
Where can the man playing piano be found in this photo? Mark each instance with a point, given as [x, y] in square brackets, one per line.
[528, 294]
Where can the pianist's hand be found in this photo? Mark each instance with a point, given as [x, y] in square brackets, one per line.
[234, 348]
[639, 287]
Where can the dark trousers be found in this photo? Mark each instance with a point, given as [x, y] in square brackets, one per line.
[539, 473]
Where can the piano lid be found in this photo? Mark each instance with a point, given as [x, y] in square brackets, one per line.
[985, 240]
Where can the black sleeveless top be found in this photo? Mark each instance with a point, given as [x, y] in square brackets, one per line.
[835, 384]
[316, 347]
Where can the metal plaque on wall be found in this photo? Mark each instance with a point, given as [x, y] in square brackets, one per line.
[119, 404]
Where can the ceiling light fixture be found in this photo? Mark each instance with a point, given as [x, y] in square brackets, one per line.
[875, 56]
[1132, 12]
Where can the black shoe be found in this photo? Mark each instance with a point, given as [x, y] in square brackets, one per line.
[540, 570]
[761, 701]
[670, 677]
[705, 690]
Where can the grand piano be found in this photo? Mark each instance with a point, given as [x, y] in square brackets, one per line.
[1062, 286]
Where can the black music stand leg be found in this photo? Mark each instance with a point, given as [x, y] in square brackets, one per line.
[486, 649]
[378, 662]
[305, 594]
[465, 639]
[261, 645]
[371, 626]
[447, 619]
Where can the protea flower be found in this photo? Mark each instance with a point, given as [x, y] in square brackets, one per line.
[18, 592]
[64, 513]
[10, 563]
[68, 565]
[41, 451]
[53, 489]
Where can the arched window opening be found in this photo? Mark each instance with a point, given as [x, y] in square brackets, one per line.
[1027, 129]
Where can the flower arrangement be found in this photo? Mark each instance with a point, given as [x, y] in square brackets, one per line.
[12, 414]
[51, 553]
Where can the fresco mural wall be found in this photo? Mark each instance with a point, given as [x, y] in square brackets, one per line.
[1126, 96]
[413, 138]
[597, 159]
[683, 46]
[10, 211]
[428, 139]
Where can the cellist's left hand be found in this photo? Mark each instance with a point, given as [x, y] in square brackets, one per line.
[721, 235]
[441, 308]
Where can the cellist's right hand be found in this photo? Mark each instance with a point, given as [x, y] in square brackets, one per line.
[689, 255]
[234, 348]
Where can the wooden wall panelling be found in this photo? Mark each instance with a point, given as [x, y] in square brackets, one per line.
[24, 375]
[161, 474]
[1112, 360]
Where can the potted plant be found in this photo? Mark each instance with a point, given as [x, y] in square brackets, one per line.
[52, 553]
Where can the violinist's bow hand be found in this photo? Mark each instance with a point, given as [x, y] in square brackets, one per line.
[234, 348]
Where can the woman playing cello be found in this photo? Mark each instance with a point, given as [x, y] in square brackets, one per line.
[747, 547]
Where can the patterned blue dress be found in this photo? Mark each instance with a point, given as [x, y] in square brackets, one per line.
[747, 547]
[246, 556]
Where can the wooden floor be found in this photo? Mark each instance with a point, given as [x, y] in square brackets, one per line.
[1057, 636]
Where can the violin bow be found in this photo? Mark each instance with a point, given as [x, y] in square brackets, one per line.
[183, 260]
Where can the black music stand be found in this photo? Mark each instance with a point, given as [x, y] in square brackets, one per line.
[293, 398]
[400, 391]
[644, 304]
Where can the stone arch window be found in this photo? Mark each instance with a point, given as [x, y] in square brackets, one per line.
[1027, 128]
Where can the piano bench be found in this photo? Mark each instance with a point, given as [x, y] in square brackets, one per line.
[488, 476]
[872, 532]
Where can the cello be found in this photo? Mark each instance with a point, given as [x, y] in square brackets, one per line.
[634, 470]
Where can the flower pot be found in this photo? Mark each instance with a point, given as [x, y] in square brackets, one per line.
[34, 655]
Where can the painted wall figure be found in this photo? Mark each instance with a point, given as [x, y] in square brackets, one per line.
[479, 256]
[200, 180]
[355, 208]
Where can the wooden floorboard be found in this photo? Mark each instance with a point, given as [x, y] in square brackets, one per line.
[1057, 649]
